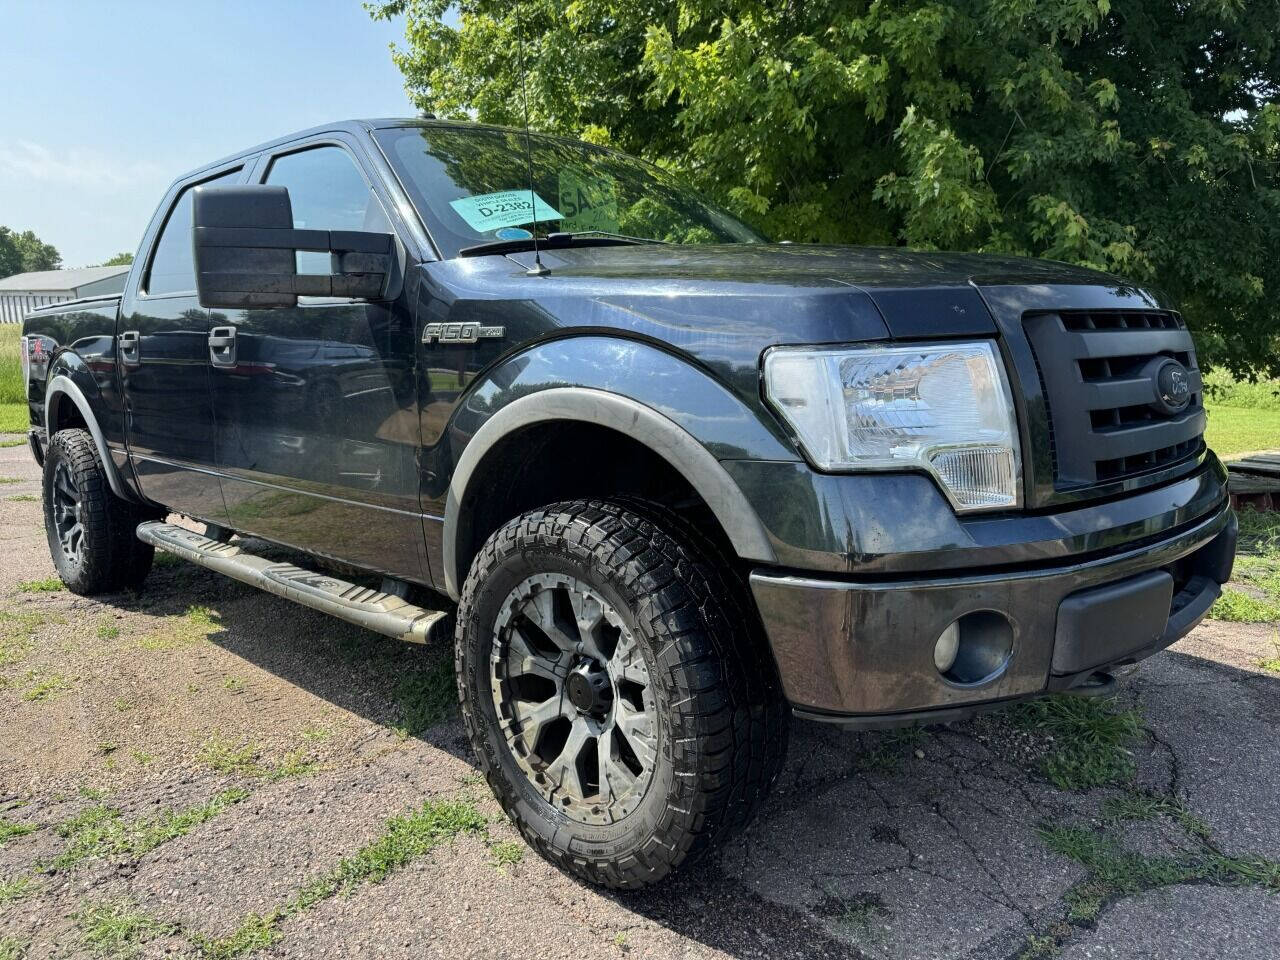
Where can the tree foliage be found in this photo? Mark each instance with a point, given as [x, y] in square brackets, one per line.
[119, 260]
[25, 253]
[1135, 136]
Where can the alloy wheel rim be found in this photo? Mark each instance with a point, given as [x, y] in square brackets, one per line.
[67, 520]
[573, 698]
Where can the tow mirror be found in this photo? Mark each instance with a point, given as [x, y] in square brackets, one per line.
[244, 244]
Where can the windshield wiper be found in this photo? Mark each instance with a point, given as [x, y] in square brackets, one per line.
[555, 241]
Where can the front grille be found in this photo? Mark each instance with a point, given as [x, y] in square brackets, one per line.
[1105, 417]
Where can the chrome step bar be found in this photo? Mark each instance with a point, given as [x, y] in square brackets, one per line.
[374, 610]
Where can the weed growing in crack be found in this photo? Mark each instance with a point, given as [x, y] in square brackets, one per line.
[118, 928]
[1115, 871]
[254, 933]
[891, 748]
[405, 838]
[101, 831]
[1090, 739]
[1039, 948]
[1140, 805]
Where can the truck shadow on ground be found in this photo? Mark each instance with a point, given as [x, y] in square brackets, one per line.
[924, 842]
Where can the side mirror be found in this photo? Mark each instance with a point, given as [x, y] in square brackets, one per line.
[244, 243]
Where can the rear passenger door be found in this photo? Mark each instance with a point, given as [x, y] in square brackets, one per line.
[163, 356]
[317, 414]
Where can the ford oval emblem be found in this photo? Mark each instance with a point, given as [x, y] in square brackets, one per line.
[1172, 383]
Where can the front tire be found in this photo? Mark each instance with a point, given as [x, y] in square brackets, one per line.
[91, 531]
[617, 689]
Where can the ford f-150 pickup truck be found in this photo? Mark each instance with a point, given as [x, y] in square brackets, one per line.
[663, 483]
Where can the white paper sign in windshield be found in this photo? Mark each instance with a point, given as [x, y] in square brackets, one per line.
[507, 208]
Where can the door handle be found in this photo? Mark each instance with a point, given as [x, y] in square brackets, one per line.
[222, 346]
[129, 343]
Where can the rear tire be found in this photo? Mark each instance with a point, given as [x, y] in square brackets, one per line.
[617, 689]
[91, 531]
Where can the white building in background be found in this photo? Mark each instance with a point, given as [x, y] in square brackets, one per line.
[25, 291]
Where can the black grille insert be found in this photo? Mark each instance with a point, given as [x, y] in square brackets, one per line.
[1106, 419]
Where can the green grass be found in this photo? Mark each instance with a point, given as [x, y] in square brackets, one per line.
[16, 442]
[1115, 871]
[404, 839]
[46, 688]
[117, 928]
[14, 418]
[426, 697]
[506, 853]
[11, 948]
[47, 585]
[12, 389]
[1221, 390]
[1090, 739]
[16, 889]
[8, 830]
[1258, 568]
[1235, 606]
[254, 933]
[221, 756]
[17, 635]
[23, 498]
[102, 831]
[1235, 430]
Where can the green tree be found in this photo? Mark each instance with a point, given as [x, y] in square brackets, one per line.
[25, 252]
[119, 260]
[1135, 136]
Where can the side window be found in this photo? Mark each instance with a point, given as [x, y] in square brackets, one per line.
[327, 192]
[172, 269]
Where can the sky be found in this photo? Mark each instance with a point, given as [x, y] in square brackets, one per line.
[104, 104]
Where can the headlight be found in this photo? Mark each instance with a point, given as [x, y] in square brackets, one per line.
[940, 407]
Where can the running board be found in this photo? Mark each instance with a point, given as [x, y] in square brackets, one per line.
[374, 610]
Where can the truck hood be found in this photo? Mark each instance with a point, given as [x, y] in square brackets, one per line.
[918, 294]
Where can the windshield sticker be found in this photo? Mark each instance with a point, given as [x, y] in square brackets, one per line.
[589, 203]
[508, 208]
[513, 233]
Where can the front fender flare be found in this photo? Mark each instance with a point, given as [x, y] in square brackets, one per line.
[657, 432]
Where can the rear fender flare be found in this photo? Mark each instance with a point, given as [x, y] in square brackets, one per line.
[61, 385]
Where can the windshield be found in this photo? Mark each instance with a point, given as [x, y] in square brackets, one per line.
[471, 186]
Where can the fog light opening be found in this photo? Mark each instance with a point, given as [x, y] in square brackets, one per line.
[974, 649]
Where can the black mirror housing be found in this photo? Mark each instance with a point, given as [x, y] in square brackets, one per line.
[244, 244]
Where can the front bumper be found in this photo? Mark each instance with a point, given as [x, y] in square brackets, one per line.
[863, 651]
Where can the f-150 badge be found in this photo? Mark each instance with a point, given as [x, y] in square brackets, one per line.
[460, 333]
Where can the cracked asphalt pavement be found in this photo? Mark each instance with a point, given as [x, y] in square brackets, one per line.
[122, 718]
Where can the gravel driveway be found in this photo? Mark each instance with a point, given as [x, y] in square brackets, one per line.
[203, 770]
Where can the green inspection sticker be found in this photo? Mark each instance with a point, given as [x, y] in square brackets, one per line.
[507, 208]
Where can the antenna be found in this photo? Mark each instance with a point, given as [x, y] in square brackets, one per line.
[538, 269]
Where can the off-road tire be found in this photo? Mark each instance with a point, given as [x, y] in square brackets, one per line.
[111, 557]
[722, 717]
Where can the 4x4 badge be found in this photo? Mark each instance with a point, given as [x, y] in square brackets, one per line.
[460, 333]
